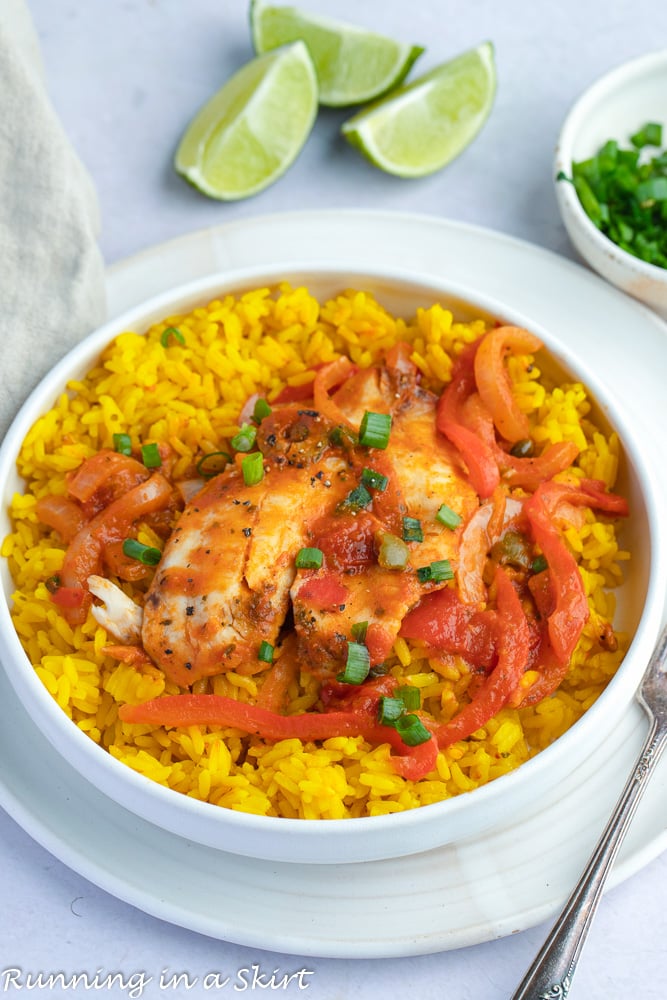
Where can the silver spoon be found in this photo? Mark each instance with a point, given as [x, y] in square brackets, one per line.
[550, 975]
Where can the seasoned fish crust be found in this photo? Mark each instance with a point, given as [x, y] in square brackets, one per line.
[223, 583]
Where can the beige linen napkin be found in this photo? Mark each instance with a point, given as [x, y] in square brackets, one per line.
[51, 269]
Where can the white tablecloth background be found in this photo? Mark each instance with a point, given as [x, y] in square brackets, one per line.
[125, 76]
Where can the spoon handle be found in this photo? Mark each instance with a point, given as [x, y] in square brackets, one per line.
[550, 975]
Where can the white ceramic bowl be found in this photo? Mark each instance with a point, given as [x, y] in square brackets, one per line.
[641, 600]
[615, 107]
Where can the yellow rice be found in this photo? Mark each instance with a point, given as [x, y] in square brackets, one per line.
[190, 396]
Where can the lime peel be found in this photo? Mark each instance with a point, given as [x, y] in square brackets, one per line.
[424, 125]
[353, 65]
[248, 134]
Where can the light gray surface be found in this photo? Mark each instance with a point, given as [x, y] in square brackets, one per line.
[125, 76]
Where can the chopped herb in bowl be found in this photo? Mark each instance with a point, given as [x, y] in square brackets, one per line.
[624, 193]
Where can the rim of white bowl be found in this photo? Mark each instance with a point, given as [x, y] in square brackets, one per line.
[611, 81]
[282, 839]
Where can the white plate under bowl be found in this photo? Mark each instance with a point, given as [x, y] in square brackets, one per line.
[465, 893]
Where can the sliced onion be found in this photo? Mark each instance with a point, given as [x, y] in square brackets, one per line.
[477, 538]
[493, 381]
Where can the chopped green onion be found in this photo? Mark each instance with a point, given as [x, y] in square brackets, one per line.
[374, 480]
[146, 554]
[150, 456]
[343, 436]
[390, 710]
[261, 410]
[245, 439]
[170, 332]
[211, 464]
[539, 564]
[393, 553]
[412, 530]
[374, 430]
[436, 572]
[252, 468]
[309, 558]
[357, 666]
[265, 652]
[122, 443]
[412, 730]
[625, 194]
[649, 135]
[590, 203]
[409, 695]
[448, 517]
[359, 630]
[654, 189]
[356, 500]
[512, 549]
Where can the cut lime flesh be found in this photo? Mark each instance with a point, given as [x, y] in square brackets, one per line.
[423, 126]
[247, 135]
[352, 65]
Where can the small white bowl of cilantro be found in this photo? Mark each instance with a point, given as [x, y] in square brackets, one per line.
[611, 177]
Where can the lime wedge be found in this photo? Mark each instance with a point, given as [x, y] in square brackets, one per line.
[422, 126]
[352, 65]
[247, 135]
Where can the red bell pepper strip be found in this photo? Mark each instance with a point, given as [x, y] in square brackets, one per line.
[551, 673]
[444, 622]
[297, 393]
[218, 710]
[412, 763]
[571, 611]
[529, 473]
[493, 381]
[364, 698]
[294, 393]
[587, 493]
[475, 452]
[525, 472]
[480, 396]
[566, 591]
[478, 457]
[513, 651]
[600, 498]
